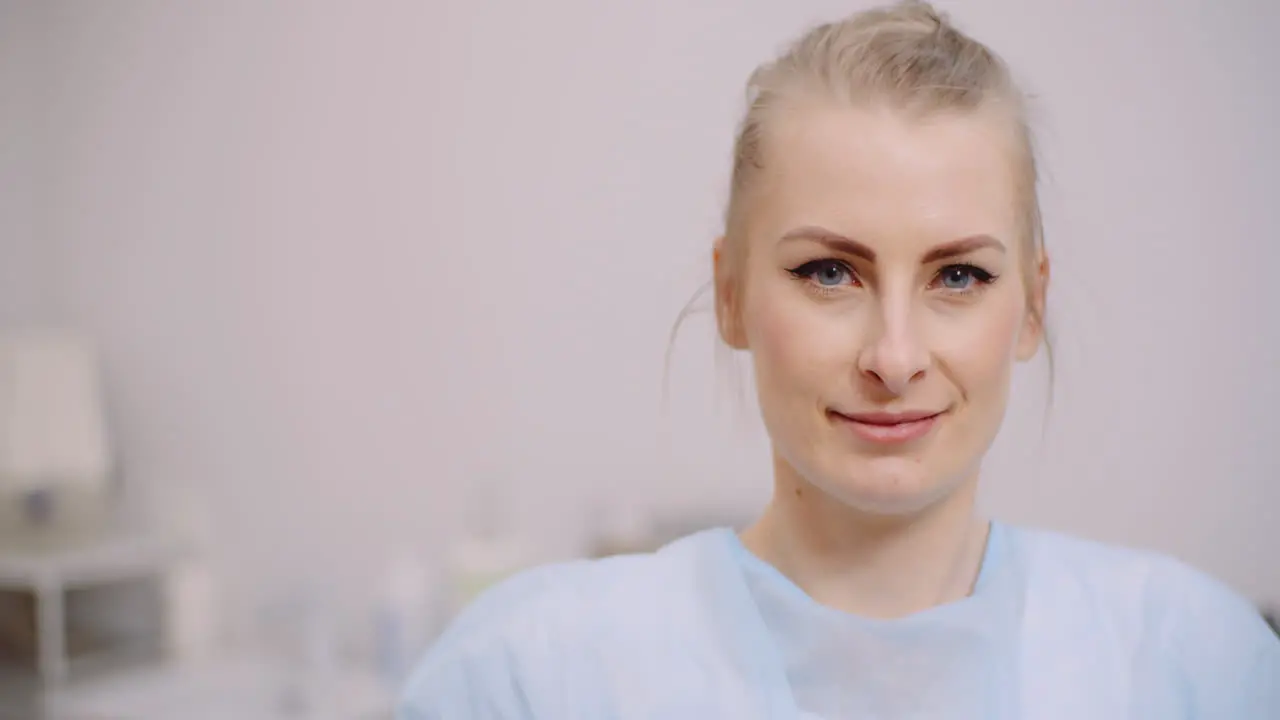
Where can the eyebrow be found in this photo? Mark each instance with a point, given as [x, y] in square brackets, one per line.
[961, 247]
[849, 246]
[832, 240]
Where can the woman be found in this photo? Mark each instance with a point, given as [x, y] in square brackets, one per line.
[882, 262]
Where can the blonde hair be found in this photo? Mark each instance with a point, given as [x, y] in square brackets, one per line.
[907, 56]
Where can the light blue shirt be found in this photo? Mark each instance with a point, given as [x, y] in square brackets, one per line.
[1056, 628]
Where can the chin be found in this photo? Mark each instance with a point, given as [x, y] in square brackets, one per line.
[887, 486]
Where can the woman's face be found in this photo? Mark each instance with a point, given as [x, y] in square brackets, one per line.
[882, 300]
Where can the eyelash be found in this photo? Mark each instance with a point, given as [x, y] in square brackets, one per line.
[981, 278]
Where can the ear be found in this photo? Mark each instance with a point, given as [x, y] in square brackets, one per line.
[1032, 331]
[728, 299]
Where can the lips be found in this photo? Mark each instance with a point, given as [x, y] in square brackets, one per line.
[889, 428]
[891, 418]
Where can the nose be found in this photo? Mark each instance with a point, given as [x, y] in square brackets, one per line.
[894, 355]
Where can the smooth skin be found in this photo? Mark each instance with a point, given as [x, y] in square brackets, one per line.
[886, 276]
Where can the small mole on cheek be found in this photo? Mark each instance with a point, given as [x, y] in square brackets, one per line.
[799, 492]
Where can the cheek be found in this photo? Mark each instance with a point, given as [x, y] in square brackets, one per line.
[793, 345]
[776, 340]
[981, 351]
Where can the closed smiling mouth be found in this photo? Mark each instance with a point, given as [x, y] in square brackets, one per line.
[887, 427]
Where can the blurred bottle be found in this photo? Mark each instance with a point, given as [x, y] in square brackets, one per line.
[191, 605]
[299, 627]
[404, 618]
[191, 588]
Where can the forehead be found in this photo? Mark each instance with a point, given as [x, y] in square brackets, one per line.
[888, 177]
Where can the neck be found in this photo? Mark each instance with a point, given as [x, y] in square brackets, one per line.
[874, 565]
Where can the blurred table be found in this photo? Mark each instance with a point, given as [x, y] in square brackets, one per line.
[50, 571]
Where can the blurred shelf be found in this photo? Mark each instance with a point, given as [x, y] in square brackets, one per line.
[243, 688]
[110, 558]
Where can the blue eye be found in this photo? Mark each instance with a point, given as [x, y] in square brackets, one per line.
[831, 274]
[963, 277]
[826, 273]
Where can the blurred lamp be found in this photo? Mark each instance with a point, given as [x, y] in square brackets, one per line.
[54, 454]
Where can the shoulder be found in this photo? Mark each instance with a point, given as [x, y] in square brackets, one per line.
[543, 626]
[1175, 622]
[1158, 586]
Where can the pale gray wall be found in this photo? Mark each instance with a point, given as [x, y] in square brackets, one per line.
[347, 256]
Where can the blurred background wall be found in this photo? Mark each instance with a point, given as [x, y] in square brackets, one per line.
[348, 262]
[24, 266]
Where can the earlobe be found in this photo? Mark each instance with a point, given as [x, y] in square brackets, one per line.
[1029, 337]
[728, 310]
